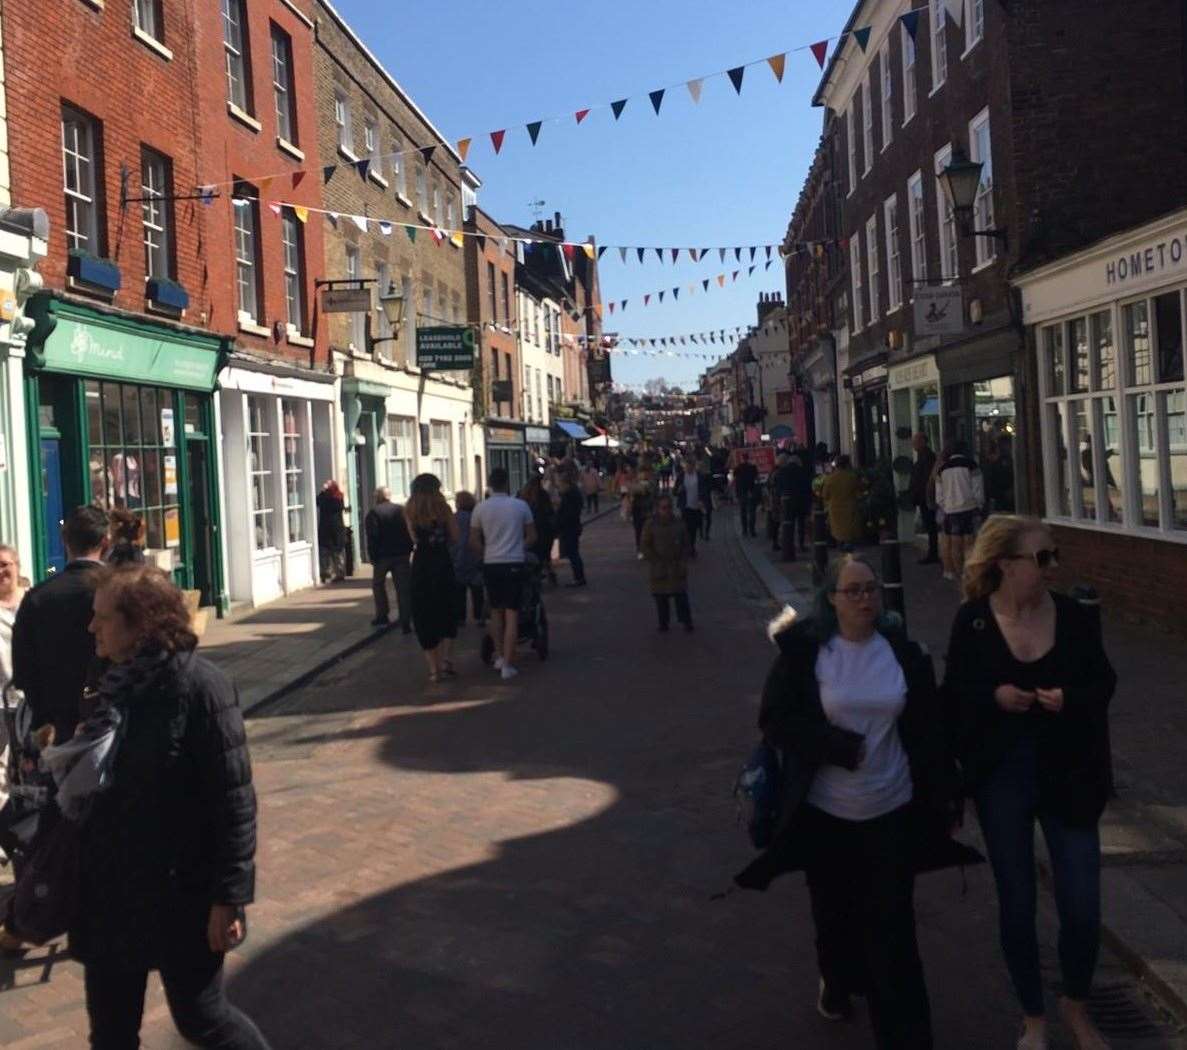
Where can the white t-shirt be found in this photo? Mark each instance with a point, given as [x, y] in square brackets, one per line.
[502, 519]
[863, 689]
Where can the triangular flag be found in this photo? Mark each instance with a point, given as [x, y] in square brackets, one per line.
[601, 251]
[427, 152]
[362, 167]
[589, 250]
[721, 254]
[496, 139]
[332, 218]
[624, 302]
[862, 35]
[618, 107]
[735, 76]
[955, 10]
[646, 300]
[385, 228]
[274, 208]
[568, 250]
[463, 148]
[777, 62]
[327, 172]
[534, 130]
[721, 280]
[264, 184]
[360, 221]
[768, 251]
[768, 265]
[657, 99]
[750, 272]
[659, 253]
[437, 234]
[207, 195]
[611, 307]
[737, 255]
[675, 293]
[411, 231]
[481, 240]
[581, 114]
[820, 50]
[622, 254]
[301, 212]
[705, 284]
[694, 89]
[457, 238]
[752, 251]
[661, 297]
[297, 177]
[910, 22]
[675, 252]
[639, 252]
[735, 276]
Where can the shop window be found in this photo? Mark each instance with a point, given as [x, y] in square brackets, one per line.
[292, 416]
[894, 270]
[949, 250]
[133, 460]
[401, 451]
[1078, 372]
[192, 410]
[441, 453]
[80, 157]
[283, 91]
[238, 67]
[260, 467]
[1168, 319]
[156, 213]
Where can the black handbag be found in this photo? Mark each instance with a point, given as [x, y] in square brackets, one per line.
[46, 898]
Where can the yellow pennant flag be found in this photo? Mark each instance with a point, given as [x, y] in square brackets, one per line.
[589, 250]
[463, 148]
[457, 238]
[302, 213]
[776, 62]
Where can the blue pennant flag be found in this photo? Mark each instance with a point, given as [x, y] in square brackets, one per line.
[657, 98]
[910, 22]
[862, 36]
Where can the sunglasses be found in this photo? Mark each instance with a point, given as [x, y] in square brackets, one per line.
[859, 591]
[1044, 559]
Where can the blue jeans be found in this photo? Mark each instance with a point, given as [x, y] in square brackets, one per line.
[1007, 807]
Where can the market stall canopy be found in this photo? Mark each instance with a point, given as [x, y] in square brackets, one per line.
[601, 441]
[571, 428]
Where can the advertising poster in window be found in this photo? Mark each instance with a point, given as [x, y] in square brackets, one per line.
[167, 427]
[173, 527]
[170, 475]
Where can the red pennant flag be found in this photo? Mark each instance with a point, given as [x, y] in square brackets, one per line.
[297, 177]
[496, 138]
[820, 50]
[581, 115]
[569, 251]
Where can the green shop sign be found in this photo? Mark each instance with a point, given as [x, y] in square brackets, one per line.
[99, 345]
[445, 348]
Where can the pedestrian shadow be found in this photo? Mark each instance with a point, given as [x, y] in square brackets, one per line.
[20, 970]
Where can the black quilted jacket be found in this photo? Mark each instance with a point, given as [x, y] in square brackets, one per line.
[176, 832]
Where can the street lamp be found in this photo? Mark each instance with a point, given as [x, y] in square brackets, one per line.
[961, 179]
[392, 303]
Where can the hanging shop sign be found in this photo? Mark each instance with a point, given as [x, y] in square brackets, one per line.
[346, 300]
[445, 348]
[939, 310]
[504, 436]
[538, 435]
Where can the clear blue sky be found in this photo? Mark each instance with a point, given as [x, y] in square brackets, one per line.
[726, 172]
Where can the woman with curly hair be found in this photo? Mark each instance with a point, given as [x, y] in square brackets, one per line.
[168, 848]
[435, 533]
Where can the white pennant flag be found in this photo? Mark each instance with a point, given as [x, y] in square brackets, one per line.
[955, 10]
[385, 228]
[694, 89]
[360, 221]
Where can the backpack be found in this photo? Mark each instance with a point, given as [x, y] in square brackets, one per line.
[758, 795]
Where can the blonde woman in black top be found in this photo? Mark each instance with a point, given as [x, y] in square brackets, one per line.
[1028, 687]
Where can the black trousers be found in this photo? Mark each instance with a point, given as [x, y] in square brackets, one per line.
[591, 503]
[476, 594]
[401, 573]
[197, 1001]
[570, 547]
[638, 519]
[664, 609]
[692, 523]
[748, 505]
[862, 884]
[707, 515]
[932, 528]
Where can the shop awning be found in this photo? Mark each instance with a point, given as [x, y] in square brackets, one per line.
[930, 407]
[571, 429]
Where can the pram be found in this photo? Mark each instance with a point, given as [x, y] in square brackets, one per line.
[29, 787]
[533, 619]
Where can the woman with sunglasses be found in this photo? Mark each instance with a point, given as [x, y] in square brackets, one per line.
[1028, 687]
[868, 796]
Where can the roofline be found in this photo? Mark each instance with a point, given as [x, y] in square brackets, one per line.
[836, 55]
[392, 83]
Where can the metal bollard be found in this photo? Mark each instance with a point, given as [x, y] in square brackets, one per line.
[787, 530]
[1088, 599]
[892, 576]
[819, 545]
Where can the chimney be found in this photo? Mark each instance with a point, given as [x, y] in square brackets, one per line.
[767, 303]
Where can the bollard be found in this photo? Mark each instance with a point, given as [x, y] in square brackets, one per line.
[1088, 599]
[819, 545]
[892, 576]
[787, 530]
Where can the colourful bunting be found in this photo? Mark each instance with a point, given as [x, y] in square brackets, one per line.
[862, 36]
[661, 297]
[611, 308]
[675, 253]
[955, 9]
[705, 284]
[721, 280]
[385, 228]
[463, 148]
[207, 195]
[332, 218]
[752, 251]
[427, 153]
[274, 208]
[327, 172]
[659, 254]
[363, 166]
[589, 251]
[777, 63]
[694, 89]
[411, 231]
[568, 251]
[737, 255]
[622, 255]
[657, 98]
[640, 252]
[297, 177]
[624, 302]
[601, 252]
[496, 139]
[910, 22]
[820, 51]
[618, 107]
[360, 221]
[735, 76]
[646, 298]
[581, 114]
[457, 239]
[675, 293]
[534, 130]
[301, 212]
[721, 254]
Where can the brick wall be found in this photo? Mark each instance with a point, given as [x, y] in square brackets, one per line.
[5, 177]
[496, 322]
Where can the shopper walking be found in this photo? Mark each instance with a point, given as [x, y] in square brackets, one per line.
[11, 596]
[839, 492]
[690, 485]
[501, 532]
[544, 520]
[434, 532]
[331, 532]
[623, 482]
[389, 544]
[746, 491]
[960, 494]
[667, 546]
[467, 567]
[642, 505]
[1029, 685]
[798, 484]
[923, 495]
[168, 847]
[869, 796]
[568, 529]
[591, 484]
[53, 653]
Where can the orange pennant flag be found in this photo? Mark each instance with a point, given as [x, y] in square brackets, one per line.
[463, 148]
[777, 62]
[721, 280]
[589, 250]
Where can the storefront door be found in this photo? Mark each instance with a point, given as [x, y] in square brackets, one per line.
[54, 502]
[204, 557]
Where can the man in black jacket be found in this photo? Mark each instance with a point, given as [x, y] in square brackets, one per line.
[923, 495]
[52, 650]
[746, 489]
[568, 528]
[389, 544]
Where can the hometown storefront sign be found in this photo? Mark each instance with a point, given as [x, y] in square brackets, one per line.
[445, 348]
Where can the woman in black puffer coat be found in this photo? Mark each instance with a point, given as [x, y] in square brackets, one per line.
[168, 848]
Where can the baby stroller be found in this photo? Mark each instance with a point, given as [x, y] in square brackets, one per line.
[533, 619]
[29, 787]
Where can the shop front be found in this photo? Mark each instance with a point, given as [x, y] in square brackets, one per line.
[914, 409]
[120, 412]
[1106, 328]
[871, 416]
[505, 448]
[819, 381]
[538, 440]
[282, 421]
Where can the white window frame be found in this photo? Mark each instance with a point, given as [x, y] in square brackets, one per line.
[344, 123]
[974, 24]
[261, 460]
[371, 145]
[873, 260]
[422, 190]
[358, 322]
[938, 21]
[292, 417]
[247, 252]
[155, 214]
[382, 277]
[983, 210]
[399, 170]
[855, 270]
[867, 125]
[283, 90]
[148, 18]
[294, 272]
[910, 75]
[450, 211]
[851, 124]
[441, 452]
[894, 265]
[236, 55]
[887, 88]
[527, 392]
[438, 212]
[401, 456]
[78, 181]
[946, 221]
[917, 219]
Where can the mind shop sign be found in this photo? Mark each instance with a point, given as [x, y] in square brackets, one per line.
[445, 348]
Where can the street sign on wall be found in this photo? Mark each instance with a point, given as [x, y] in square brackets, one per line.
[346, 300]
[939, 310]
[445, 348]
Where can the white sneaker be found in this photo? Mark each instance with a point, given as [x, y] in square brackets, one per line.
[498, 664]
[508, 672]
[949, 576]
[639, 556]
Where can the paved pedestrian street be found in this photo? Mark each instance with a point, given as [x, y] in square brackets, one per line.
[532, 864]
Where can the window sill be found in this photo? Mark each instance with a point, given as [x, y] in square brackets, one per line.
[427, 220]
[909, 119]
[893, 310]
[151, 306]
[298, 12]
[152, 43]
[375, 177]
[85, 288]
[934, 91]
[982, 266]
[1147, 532]
[98, 5]
[285, 146]
[971, 48]
[296, 339]
[244, 118]
[251, 328]
[403, 200]
[344, 152]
